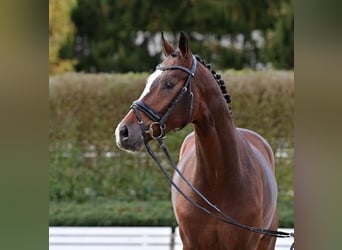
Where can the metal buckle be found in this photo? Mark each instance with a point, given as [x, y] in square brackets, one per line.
[150, 130]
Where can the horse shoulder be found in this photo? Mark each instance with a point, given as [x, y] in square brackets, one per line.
[259, 143]
[188, 142]
[265, 153]
[186, 159]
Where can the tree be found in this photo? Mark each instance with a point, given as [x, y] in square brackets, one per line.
[61, 31]
[279, 49]
[117, 36]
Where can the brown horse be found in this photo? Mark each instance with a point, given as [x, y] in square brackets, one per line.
[232, 167]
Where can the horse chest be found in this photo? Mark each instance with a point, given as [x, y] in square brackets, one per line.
[211, 235]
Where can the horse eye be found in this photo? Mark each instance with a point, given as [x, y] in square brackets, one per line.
[169, 85]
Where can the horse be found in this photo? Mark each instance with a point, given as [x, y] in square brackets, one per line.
[233, 167]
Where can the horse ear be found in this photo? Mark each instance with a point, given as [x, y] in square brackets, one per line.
[167, 48]
[183, 44]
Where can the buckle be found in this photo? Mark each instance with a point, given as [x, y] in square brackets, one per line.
[161, 128]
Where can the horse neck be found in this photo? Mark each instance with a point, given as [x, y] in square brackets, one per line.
[216, 140]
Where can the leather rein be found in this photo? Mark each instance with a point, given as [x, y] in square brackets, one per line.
[159, 121]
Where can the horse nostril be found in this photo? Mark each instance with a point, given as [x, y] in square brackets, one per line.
[124, 132]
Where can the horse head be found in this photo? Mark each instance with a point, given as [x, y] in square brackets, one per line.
[167, 103]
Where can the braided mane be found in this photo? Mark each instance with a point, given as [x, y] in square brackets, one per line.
[219, 81]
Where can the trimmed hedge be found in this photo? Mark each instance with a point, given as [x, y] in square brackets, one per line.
[86, 167]
[124, 213]
[112, 213]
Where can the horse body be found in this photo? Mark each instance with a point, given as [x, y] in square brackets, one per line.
[232, 167]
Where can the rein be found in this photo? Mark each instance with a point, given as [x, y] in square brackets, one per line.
[139, 106]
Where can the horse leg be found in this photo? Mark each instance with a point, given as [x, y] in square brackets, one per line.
[268, 242]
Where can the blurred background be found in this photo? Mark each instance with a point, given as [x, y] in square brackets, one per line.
[100, 54]
[123, 36]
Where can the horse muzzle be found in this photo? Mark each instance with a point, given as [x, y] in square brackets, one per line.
[128, 137]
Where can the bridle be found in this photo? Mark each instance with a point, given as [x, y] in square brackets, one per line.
[139, 106]
[160, 121]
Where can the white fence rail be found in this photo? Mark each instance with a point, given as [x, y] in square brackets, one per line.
[125, 238]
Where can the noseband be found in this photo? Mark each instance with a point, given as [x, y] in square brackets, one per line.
[159, 121]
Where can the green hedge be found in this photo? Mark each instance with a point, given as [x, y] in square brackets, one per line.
[86, 167]
[125, 213]
[112, 213]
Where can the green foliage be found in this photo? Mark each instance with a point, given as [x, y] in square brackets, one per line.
[279, 41]
[264, 101]
[286, 213]
[123, 213]
[61, 31]
[116, 36]
[112, 213]
[86, 168]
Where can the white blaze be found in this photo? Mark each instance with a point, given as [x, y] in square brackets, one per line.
[117, 134]
[150, 80]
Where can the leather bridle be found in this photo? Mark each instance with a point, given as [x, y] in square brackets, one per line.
[160, 121]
